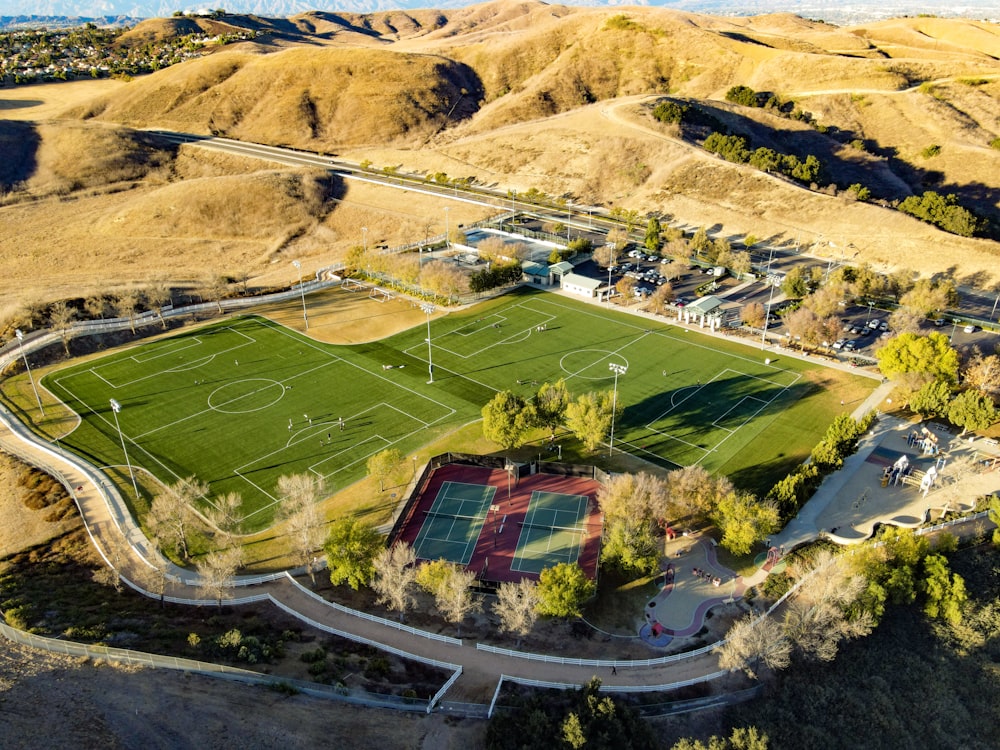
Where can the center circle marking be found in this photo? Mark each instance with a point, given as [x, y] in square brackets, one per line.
[246, 396]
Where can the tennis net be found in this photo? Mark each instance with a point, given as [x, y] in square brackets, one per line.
[552, 529]
[453, 516]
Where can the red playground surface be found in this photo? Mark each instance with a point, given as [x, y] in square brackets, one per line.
[494, 550]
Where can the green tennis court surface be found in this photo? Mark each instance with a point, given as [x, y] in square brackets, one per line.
[452, 526]
[553, 532]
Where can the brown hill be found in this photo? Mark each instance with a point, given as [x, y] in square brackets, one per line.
[519, 95]
[318, 99]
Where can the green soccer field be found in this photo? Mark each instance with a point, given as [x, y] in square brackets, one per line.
[239, 404]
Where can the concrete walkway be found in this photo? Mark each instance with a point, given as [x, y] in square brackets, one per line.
[106, 519]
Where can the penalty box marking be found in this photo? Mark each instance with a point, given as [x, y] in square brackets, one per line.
[516, 337]
[189, 364]
[715, 423]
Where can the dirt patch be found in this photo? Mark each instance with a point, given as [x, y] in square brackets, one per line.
[337, 316]
[84, 703]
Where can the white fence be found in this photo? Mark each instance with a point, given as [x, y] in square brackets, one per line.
[624, 663]
[376, 619]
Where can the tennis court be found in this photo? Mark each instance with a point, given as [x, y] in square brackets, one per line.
[452, 526]
[554, 531]
[462, 514]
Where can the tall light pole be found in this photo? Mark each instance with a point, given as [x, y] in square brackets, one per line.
[302, 291]
[770, 297]
[20, 344]
[994, 312]
[116, 407]
[429, 308]
[617, 369]
[447, 227]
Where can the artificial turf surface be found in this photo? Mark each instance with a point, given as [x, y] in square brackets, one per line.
[242, 402]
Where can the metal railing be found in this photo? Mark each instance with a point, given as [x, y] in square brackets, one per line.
[375, 618]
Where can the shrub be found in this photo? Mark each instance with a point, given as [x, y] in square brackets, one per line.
[931, 151]
[743, 95]
[669, 112]
[311, 657]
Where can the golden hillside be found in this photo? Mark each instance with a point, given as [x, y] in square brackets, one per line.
[518, 95]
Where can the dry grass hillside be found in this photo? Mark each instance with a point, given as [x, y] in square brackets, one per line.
[318, 99]
[517, 94]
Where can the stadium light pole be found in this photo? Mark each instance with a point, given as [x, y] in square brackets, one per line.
[617, 369]
[429, 308]
[116, 407]
[302, 291]
[447, 227]
[20, 344]
[770, 298]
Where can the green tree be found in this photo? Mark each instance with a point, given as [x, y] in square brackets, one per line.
[700, 241]
[350, 550]
[932, 400]
[914, 359]
[382, 464]
[972, 410]
[943, 211]
[667, 111]
[589, 417]
[550, 403]
[630, 545]
[562, 590]
[506, 420]
[743, 95]
[928, 296]
[795, 284]
[944, 591]
[652, 240]
[744, 520]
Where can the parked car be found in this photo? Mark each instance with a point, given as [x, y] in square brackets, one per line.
[874, 323]
[970, 328]
[839, 343]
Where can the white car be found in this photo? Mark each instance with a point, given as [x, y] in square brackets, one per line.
[969, 328]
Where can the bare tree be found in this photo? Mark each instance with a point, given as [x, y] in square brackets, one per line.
[394, 577]
[454, 597]
[383, 464]
[217, 572]
[224, 515]
[96, 305]
[303, 519]
[215, 289]
[693, 492]
[115, 553]
[754, 315]
[754, 642]
[516, 607]
[125, 304]
[983, 373]
[155, 576]
[816, 620]
[170, 515]
[61, 316]
[158, 297]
